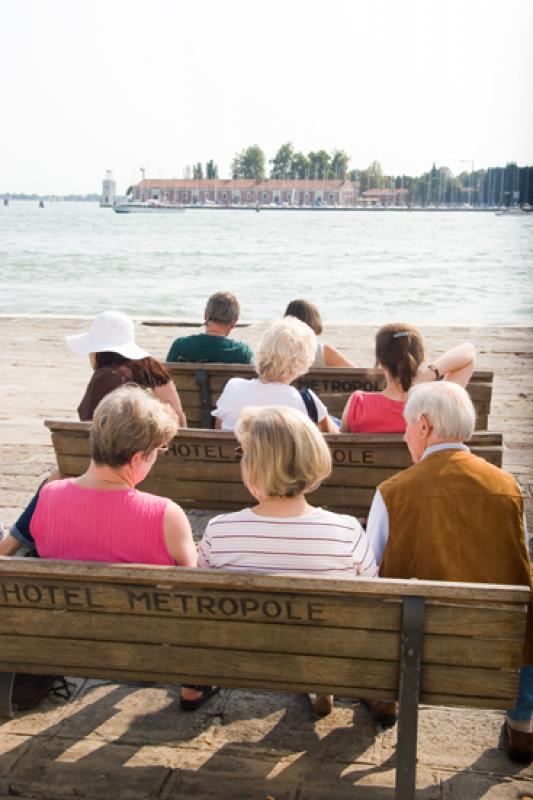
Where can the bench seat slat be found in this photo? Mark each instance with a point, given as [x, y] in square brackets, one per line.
[355, 643]
[216, 664]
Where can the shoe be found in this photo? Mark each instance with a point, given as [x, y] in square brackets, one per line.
[384, 711]
[519, 745]
[29, 690]
[192, 705]
[321, 703]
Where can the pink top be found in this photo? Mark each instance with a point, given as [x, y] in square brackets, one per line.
[73, 523]
[371, 412]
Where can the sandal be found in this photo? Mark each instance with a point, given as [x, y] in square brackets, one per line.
[192, 705]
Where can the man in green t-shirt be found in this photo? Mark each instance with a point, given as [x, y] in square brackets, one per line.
[221, 315]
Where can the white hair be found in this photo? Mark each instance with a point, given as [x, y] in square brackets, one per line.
[286, 350]
[447, 407]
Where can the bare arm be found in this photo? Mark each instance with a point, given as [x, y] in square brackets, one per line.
[326, 425]
[344, 420]
[178, 536]
[334, 358]
[456, 364]
[9, 546]
[167, 394]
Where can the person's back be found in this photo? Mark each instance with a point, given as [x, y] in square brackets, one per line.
[320, 543]
[454, 517]
[441, 514]
[221, 315]
[205, 347]
[77, 523]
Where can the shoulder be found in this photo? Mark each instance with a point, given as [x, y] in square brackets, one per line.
[399, 481]
[218, 522]
[174, 514]
[54, 488]
[499, 477]
[327, 517]
[150, 501]
[179, 346]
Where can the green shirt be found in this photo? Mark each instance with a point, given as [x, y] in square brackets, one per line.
[204, 347]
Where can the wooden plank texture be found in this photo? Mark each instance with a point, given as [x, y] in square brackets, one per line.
[201, 469]
[332, 385]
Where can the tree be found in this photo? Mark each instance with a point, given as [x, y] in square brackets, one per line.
[319, 164]
[282, 161]
[211, 170]
[249, 163]
[299, 166]
[375, 176]
[197, 172]
[339, 165]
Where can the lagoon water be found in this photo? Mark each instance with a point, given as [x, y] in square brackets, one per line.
[359, 267]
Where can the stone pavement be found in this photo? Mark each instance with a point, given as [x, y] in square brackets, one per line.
[131, 742]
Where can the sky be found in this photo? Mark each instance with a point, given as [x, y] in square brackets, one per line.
[91, 85]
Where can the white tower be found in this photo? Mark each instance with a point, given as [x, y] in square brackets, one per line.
[109, 190]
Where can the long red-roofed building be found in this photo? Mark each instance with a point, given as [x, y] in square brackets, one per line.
[244, 191]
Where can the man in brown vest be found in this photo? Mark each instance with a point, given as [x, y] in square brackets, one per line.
[454, 517]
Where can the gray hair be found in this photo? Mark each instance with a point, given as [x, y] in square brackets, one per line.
[286, 350]
[447, 406]
[222, 307]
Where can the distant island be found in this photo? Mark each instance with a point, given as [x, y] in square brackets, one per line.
[92, 197]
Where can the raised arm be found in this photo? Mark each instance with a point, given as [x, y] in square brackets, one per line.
[456, 364]
[178, 536]
[167, 394]
[334, 358]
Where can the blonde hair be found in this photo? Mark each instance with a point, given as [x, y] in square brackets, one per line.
[127, 421]
[284, 454]
[447, 407]
[286, 350]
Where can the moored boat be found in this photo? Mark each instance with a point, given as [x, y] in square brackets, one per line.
[147, 207]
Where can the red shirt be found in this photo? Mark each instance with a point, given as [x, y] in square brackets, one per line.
[372, 412]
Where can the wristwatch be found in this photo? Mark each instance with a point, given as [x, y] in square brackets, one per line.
[438, 376]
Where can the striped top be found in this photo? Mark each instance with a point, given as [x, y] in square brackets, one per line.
[321, 544]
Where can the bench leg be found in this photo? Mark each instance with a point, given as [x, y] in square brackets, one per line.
[414, 609]
[6, 693]
[202, 381]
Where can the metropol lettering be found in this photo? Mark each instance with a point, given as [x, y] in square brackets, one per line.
[195, 604]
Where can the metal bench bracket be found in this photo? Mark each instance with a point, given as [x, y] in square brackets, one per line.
[202, 381]
[6, 694]
[414, 610]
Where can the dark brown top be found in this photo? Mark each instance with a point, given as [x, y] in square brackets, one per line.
[103, 381]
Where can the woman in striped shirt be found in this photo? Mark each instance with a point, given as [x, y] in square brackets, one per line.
[284, 457]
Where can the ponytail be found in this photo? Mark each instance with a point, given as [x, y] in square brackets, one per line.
[399, 348]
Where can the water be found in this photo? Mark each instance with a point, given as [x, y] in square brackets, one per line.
[360, 267]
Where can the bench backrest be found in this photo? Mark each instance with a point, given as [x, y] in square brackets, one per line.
[292, 634]
[201, 469]
[200, 385]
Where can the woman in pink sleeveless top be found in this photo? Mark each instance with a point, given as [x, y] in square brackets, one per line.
[101, 516]
[400, 353]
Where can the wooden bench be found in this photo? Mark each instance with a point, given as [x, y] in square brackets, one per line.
[201, 469]
[419, 641]
[200, 385]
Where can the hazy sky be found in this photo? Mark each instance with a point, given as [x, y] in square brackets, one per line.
[90, 85]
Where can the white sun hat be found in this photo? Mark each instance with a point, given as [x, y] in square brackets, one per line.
[111, 331]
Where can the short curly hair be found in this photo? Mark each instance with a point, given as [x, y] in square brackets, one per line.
[286, 350]
[129, 420]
